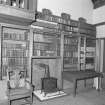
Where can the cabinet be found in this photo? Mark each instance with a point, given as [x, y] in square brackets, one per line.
[14, 48]
[70, 52]
[87, 46]
[78, 46]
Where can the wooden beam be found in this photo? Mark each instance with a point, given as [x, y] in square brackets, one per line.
[99, 24]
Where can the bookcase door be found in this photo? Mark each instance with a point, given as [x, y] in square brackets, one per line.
[14, 49]
[70, 56]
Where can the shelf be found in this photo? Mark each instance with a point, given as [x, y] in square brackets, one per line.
[70, 44]
[70, 65]
[69, 57]
[16, 15]
[43, 42]
[46, 57]
[15, 41]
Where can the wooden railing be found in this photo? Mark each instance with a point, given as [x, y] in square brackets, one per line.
[24, 4]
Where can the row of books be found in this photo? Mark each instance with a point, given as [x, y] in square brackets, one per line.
[14, 61]
[87, 26]
[44, 38]
[15, 36]
[90, 43]
[70, 48]
[44, 46]
[14, 53]
[70, 54]
[56, 19]
[71, 60]
[15, 46]
[68, 28]
[90, 54]
[71, 41]
[44, 53]
[87, 31]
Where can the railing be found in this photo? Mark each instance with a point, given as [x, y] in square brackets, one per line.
[24, 4]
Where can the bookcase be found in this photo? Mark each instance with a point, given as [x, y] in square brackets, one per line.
[14, 48]
[58, 39]
[70, 56]
[88, 46]
[79, 45]
[46, 49]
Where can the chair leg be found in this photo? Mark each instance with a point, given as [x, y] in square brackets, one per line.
[9, 102]
[31, 99]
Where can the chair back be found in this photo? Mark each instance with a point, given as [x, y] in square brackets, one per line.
[15, 75]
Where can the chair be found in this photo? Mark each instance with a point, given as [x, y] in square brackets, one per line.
[18, 88]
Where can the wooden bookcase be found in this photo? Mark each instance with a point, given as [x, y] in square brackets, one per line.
[65, 42]
[16, 17]
[88, 46]
[79, 45]
[14, 48]
[70, 56]
[46, 50]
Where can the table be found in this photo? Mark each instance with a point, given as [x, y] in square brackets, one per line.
[80, 75]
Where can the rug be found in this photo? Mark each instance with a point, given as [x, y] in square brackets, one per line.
[43, 97]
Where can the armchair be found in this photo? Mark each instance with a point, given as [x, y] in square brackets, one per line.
[18, 88]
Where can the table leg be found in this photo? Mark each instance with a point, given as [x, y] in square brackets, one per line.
[85, 83]
[99, 84]
[74, 88]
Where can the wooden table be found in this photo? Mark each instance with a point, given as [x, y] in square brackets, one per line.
[79, 75]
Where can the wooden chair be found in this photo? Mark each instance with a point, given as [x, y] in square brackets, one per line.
[18, 88]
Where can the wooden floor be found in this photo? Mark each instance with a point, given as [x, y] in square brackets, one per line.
[88, 96]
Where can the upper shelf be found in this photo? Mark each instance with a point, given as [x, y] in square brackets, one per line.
[17, 15]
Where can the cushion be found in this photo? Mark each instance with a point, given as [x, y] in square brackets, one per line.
[22, 82]
[28, 85]
[12, 83]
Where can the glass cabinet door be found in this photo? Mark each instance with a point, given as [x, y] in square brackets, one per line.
[15, 49]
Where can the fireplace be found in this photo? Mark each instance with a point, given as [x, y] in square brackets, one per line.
[49, 85]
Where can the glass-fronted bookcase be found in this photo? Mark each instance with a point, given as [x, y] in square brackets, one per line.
[46, 44]
[14, 48]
